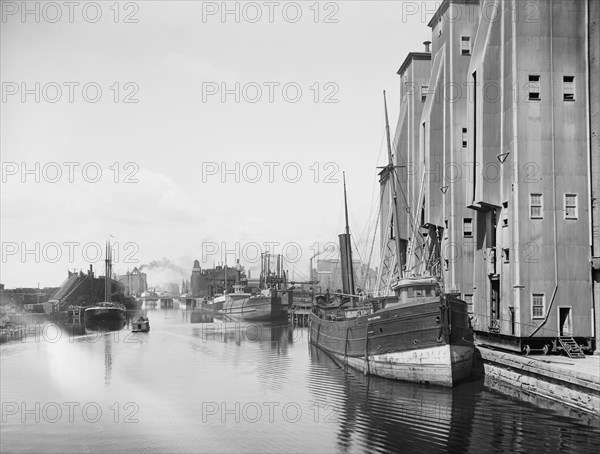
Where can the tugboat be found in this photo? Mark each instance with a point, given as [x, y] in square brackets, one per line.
[411, 329]
[141, 325]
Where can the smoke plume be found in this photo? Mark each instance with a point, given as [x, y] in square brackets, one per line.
[162, 272]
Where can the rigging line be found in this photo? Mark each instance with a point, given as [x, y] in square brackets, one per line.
[359, 238]
[404, 197]
[384, 254]
[374, 194]
[301, 274]
[418, 246]
[357, 250]
[383, 135]
[368, 226]
[401, 160]
[374, 237]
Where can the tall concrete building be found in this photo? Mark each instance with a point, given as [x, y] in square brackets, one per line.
[135, 282]
[507, 163]
[448, 220]
[594, 121]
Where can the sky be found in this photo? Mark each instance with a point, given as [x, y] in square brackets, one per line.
[180, 131]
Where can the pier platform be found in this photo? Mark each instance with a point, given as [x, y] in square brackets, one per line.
[299, 317]
[574, 383]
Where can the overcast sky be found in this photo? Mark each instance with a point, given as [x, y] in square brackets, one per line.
[175, 58]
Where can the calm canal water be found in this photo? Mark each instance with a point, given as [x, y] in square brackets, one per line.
[193, 386]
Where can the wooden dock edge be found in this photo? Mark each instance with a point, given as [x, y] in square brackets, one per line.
[572, 388]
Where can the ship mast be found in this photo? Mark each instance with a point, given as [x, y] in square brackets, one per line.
[225, 289]
[346, 253]
[392, 179]
[107, 273]
[350, 267]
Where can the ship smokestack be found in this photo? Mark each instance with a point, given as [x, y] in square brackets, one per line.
[427, 43]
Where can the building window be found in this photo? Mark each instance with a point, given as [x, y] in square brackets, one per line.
[446, 229]
[506, 254]
[536, 206]
[464, 137]
[534, 87]
[469, 300]
[538, 305]
[504, 214]
[439, 27]
[465, 45]
[468, 228]
[424, 92]
[569, 88]
[571, 206]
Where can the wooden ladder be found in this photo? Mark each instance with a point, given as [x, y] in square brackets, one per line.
[571, 347]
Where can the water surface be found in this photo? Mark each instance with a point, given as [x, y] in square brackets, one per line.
[194, 384]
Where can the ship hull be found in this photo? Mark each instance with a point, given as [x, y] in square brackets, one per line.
[216, 307]
[260, 308]
[104, 316]
[421, 343]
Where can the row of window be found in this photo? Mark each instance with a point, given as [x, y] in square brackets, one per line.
[536, 211]
[536, 206]
[534, 88]
[538, 304]
[534, 79]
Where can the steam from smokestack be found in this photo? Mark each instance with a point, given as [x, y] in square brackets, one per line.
[163, 272]
[164, 263]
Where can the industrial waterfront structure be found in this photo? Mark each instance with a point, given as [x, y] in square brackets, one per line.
[135, 282]
[497, 151]
[206, 283]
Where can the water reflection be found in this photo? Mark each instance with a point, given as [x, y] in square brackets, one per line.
[105, 326]
[375, 414]
[197, 316]
[191, 358]
[107, 360]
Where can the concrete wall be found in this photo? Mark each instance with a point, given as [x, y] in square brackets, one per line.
[594, 134]
[546, 142]
[515, 147]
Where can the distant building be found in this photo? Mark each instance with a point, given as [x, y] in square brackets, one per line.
[20, 297]
[329, 275]
[173, 288]
[205, 283]
[135, 282]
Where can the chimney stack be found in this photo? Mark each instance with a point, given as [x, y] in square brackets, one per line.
[427, 43]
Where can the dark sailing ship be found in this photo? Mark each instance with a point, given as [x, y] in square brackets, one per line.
[107, 313]
[411, 331]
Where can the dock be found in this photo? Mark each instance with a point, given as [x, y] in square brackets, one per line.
[299, 317]
[12, 332]
[572, 382]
